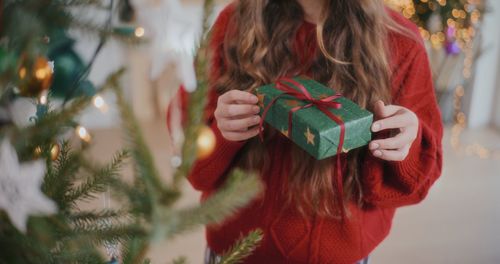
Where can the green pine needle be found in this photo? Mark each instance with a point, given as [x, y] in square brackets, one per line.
[141, 153]
[94, 217]
[238, 191]
[99, 181]
[243, 248]
[197, 102]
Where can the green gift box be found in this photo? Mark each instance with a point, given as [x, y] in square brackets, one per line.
[312, 129]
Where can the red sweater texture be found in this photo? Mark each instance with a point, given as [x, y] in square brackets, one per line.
[289, 237]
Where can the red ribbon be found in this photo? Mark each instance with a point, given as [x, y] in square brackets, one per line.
[324, 105]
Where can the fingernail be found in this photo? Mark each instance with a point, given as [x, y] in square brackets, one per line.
[256, 109]
[256, 119]
[374, 146]
[377, 153]
[254, 98]
[376, 127]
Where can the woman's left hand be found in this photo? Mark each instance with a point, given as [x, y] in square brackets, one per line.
[394, 117]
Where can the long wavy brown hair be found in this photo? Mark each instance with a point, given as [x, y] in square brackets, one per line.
[352, 56]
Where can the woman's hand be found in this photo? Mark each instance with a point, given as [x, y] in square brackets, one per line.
[236, 115]
[394, 117]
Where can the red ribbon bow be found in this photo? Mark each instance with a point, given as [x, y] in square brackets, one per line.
[324, 105]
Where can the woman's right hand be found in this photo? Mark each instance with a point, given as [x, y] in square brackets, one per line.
[237, 115]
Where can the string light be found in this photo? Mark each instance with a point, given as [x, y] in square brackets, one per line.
[100, 103]
[43, 98]
[460, 30]
[462, 19]
[474, 149]
[83, 134]
[54, 151]
[205, 142]
[139, 32]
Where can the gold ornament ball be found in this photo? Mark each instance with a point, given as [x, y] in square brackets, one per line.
[205, 142]
[35, 77]
[54, 151]
[38, 152]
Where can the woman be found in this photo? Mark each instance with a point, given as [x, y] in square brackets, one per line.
[372, 56]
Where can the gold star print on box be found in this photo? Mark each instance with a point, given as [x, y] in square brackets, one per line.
[261, 100]
[309, 136]
[292, 103]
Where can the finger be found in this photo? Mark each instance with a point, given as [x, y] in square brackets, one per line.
[239, 136]
[397, 142]
[238, 96]
[395, 121]
[238, 124]
[234, 110]
[392, 155]
[382, 111]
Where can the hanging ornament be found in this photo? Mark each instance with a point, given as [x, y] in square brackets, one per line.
[20, 194]
[205, 142]
[38, 152]
[68, 67]
[35, 77]
[173, 30]
[54, 151]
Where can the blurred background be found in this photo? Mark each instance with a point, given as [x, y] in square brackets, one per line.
[457, 223]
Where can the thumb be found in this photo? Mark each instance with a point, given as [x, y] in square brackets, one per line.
[379, 109]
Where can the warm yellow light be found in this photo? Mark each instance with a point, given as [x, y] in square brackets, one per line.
[83, 133]
[22, 73]
[100, 104]
[54, 151]
[38, 151]
[43, 99]
[139, 32]
[205, 142]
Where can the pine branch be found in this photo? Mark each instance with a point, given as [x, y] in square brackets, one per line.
[46, 129]
[243, 248]
[145, 169]
[88, 218]
[238, 191]
[99, 181]
[60, 177]
[197, 102]
[97, 235]
[135, 250]
[86, 254]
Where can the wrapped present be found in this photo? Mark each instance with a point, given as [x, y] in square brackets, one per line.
[313, 116]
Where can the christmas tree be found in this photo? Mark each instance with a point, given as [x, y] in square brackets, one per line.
[43, 178]
[452, 31]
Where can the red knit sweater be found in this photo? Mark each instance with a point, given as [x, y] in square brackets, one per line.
[292, 238]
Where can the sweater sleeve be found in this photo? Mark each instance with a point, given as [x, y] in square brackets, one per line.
[207, 173]
[399, 183]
